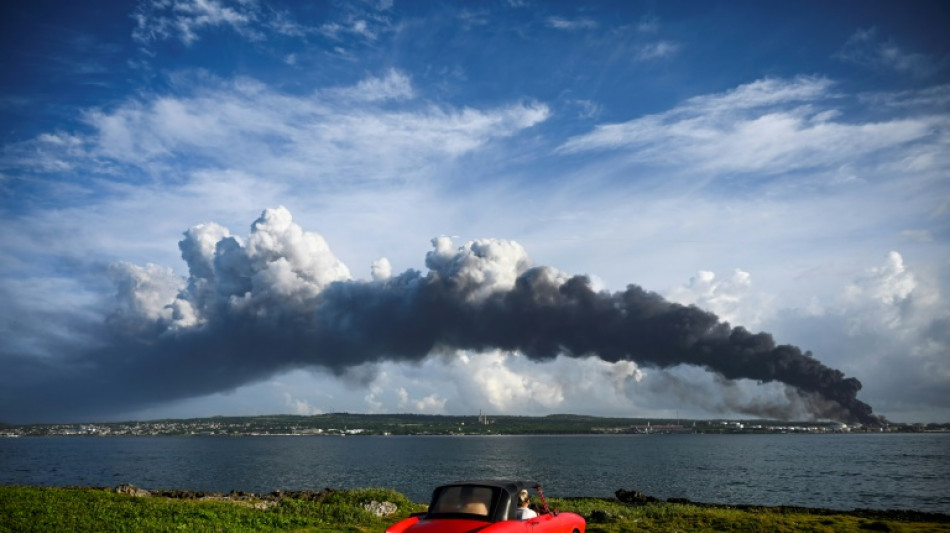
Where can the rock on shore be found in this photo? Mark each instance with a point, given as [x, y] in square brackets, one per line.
[257, 501]
[629, 497]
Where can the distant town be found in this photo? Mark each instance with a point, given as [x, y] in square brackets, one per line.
[347, 424]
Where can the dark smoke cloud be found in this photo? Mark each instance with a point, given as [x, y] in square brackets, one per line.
[282, 301]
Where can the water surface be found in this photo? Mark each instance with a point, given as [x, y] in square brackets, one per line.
[838, 471]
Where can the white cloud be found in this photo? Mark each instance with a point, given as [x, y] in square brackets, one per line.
[429, 404]
[866, 48]
[588, 108]
[145, 292]
[760, 94]
[562, 23]
[500, 382]
[507, 390]
[888, 284]
[300, 407]
[731, 299]
[634, 234]
[656, 50]
[244, 126]
[479, 268]
[443, 384]
[277, 261]
[887, 327]
[884, 326]
[395, 85]
[283, 23]
[769, 126]
[184, 19]
[929, 98]
[188, 20]
[886, 296]
[280, 261]
[381, 269]
[362, 23]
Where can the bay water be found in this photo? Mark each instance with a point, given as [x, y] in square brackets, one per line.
[836, 471]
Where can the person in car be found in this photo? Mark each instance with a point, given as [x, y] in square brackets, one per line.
[524, 511]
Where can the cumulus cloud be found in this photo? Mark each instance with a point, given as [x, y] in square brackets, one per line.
[299, 406]
[885, 292]
[429, 404]
[506, 389]
[279, 263]
[898, 320]
[143, 293]
[730, 298]
[281, 300]
[502, 382]
[482, 268]
[887, 323]
[381, 269]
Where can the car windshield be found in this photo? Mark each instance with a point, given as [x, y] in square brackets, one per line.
[463, 499]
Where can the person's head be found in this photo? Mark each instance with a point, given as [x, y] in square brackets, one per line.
[523, 499]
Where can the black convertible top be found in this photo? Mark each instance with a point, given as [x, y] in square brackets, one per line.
[510, 485]
[503, 503]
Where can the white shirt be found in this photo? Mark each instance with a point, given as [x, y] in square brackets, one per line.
[524, 513]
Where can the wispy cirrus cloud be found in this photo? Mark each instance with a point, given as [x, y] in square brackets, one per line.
[225, 146]
[357, 27]
[395, 85]
[185, 19]
[569, 24]
[656, 50]
[937, 97]
[363, 23]
[867, 48]
[768, 126]
[244, 125]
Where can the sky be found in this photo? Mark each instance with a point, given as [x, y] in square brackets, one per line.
[640, 209]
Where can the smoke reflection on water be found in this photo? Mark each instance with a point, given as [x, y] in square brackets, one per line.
[878, 471]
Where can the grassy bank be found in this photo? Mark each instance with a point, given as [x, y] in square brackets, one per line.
[102, 510]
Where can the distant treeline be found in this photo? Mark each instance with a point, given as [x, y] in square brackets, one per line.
[418, 424]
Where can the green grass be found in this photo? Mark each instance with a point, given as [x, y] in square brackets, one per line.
[55, 509]
[611, 517]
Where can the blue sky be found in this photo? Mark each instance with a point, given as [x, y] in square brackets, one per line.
[166, 163]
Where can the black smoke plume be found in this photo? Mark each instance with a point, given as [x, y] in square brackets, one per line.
[282, 301]
[543, 318]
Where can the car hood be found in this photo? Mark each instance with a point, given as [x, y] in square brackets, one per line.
[446, 525]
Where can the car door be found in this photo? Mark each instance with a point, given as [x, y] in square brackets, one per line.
[545, 523]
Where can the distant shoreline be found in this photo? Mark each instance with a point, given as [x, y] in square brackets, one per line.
[463, 435]
[347, 424]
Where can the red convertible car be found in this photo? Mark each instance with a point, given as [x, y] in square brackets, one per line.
[489, 507]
